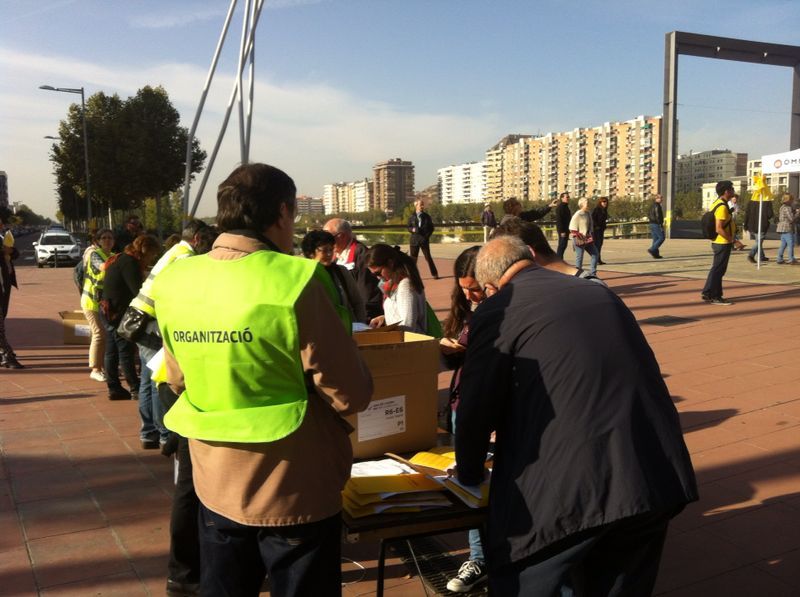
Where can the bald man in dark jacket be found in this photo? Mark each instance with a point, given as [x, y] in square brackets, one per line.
[590, 463]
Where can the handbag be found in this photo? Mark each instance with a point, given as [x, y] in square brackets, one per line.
[133, 323]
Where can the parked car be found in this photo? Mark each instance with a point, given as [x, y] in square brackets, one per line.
[56, 247]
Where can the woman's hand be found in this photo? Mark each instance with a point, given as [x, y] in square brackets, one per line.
[377, 322]
[450, 346]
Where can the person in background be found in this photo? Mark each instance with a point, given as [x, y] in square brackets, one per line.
[318, 245]
[467, 294]
[488, 220]
[543, 254]
[580, 229]
[757, 227]
[128, 232]
[94, 260]
[721, 246]
[8, 358]
[733, 206]
[404, 294]
[655, 216]
[787, 216]
[350, 253]
[513, 208]
[590, 464]
[420, 225]
[262, 399]
[124, 274]
[599, 222]
[563, 216]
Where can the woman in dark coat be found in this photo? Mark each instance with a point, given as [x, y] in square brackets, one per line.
[599, 220]
[125, 273]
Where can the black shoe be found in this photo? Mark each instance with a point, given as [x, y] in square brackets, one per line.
[751, 259]
[170, 445]
[150, 444]
[720, 302]
[10, 362]
[601, 263]
[706, 298]
[118, 394]
[657, 256]
[182, 589]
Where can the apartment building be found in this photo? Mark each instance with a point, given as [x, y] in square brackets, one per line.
[498, 174]
[692, 170]
[617, 159]
[777, 183]
[465, 183]
[393, 185]
[310, 205]
[348, 197]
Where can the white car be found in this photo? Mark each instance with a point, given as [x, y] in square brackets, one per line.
[57, 247]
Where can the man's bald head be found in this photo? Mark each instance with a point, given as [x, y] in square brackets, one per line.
[341, 231]
[497, 256]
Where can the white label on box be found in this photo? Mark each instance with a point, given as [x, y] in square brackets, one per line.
[83, 330]
[382, 418]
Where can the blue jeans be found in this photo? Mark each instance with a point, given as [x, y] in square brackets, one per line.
[474, 535]
[787, 240]
[151, 411]
[301, 559]
[759, 243]
[657, 233]
[579, 251]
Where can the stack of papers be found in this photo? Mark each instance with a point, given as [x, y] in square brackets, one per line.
[390, 486]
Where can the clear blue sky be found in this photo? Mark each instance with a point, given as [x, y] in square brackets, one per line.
[343, 84]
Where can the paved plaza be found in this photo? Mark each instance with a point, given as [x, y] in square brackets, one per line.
[85, 511]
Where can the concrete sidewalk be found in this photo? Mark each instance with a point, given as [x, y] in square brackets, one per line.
[85, 511]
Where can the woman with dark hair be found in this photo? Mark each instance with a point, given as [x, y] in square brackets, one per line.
[467, 294]
[403, 292]
[318, 245]
[94, 259]
[124, 274]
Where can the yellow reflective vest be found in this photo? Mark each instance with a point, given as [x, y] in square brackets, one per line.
[231, 325]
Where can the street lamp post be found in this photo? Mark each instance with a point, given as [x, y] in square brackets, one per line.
[85, 145]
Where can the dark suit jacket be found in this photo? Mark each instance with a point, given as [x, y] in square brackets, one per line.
[420, 233]
[751, 222]
[586, 431]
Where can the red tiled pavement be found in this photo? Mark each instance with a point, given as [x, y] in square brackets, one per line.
[83, 510]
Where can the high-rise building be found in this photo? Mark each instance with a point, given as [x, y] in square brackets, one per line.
[333, 197]
[3, 189]
[777, 182]
[310, 205]
[393, 186]
[349, 197]
[496, 170]
[363, 195]
[616, 159]
[465, 183]
[692, 170]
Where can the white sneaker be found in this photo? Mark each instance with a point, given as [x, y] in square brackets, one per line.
[470, 574]
[98, 376]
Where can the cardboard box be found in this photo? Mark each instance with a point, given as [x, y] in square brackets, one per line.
[76, 328]
[402, 414]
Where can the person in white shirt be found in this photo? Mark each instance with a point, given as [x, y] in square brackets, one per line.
[403, 292]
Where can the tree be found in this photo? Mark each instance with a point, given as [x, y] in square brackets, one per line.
[137, 149]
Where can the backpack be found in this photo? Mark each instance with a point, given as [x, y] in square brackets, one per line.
[708, 223]
[78, 275]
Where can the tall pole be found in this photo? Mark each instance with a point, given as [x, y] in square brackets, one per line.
[86, 163]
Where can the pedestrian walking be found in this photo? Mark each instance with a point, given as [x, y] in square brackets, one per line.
[655, 216]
